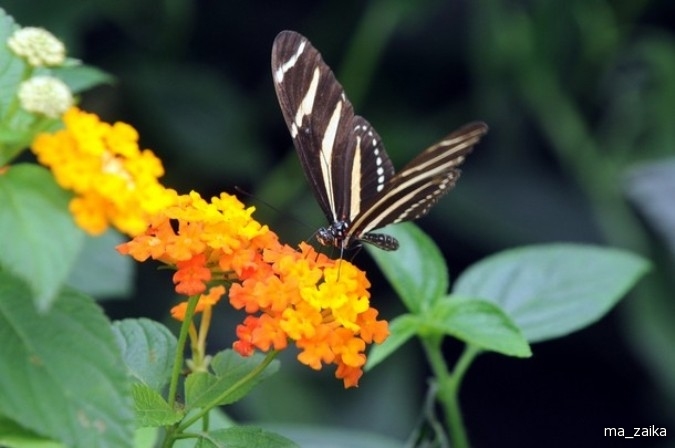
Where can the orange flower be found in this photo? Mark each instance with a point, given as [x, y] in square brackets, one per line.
[222, 233]
[205, 300]
[303, 297]
[191, 275]
[320, 304]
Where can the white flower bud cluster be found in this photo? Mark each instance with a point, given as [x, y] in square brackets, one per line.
[37, 46]
[45, 95]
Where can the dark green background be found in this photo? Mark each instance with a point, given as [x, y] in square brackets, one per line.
[577, 93]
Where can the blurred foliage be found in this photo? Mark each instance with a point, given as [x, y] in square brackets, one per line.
[580, 98]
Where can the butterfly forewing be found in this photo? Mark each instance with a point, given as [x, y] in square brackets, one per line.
[318, 115]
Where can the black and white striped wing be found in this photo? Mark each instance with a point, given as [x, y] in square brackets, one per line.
[412, 192]
[341, 154]
[372, 167]
[343, 157]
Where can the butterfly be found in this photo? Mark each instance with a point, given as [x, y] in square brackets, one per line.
[343, 158]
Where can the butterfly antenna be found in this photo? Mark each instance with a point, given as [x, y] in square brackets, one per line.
[357, 249]
[243, 192]
[312, 236]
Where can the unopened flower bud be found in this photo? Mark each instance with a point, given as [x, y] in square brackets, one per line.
[37, 46]
[45, 95]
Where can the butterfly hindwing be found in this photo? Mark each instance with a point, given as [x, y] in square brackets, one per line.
[372, 168]
[411, 192]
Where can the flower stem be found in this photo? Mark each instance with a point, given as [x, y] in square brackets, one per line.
[449, 384]
[13, 106]
[449, 398]
[180, 349]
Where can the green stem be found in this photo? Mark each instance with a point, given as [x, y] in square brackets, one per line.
[13, 106]
[180, 349]
[219, 398]
[448, 386]
[449, 398]
[171, 432]
[432, 348]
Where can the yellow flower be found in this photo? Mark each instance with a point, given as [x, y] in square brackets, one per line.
[290, 296]
[320, 304]
[202, 240]
[114, 181]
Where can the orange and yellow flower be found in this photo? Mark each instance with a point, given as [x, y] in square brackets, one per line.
[299, 296]
[322, 306]
[211, 241]
[114, 181]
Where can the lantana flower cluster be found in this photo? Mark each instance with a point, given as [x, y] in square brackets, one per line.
[114, 181]
[43, 94]
[319, 304]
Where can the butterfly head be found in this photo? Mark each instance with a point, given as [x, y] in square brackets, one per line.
[333, 235]
[337, 235]
[325, 236]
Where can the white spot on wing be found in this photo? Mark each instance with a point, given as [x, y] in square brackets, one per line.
[380, 183]
[286, 66]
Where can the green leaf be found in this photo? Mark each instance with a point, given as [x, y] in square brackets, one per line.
[479, 323]
[316, 435]
[553, 290]
[148, 349]
[650, 186]
[81, 77]
[217, 420]
[152, 409]
[100, 270]
[233, 378]
[401, 330]
[244, 437]
[12, 435]
[146, 437]
[12, 67]
[61, 374]
[417, 270]
[38, 237]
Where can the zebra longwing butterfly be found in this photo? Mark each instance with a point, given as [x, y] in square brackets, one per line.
[343, 157]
